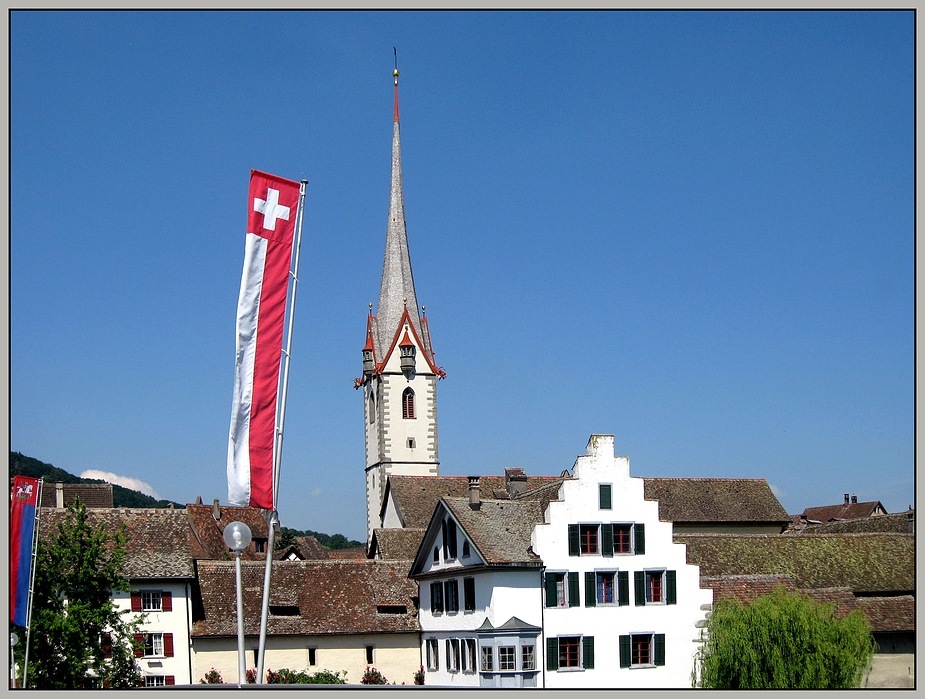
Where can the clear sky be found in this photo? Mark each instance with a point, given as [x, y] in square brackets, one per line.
[692, 230]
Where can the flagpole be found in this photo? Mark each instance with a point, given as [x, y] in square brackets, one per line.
[273, 517]
[35, 544]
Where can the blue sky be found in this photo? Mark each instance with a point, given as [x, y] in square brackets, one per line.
[692, 230]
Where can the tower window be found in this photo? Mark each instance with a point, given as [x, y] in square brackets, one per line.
[407, 404]
[411, 442]
[372, 408]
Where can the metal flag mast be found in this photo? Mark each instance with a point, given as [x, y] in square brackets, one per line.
[273, 516]
[35, 544]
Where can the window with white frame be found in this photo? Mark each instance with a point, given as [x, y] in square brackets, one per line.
[452, 654]
[562, 589]
[488, 658]
[452, 596]
[436, 598]
[153, 645]
[151, 601]
[154, 681]
[642, 650]
[433, 660]
[656, 587]
[507, 658]
[469, 655]
[606, 589]
[570, 653]
[528, 657]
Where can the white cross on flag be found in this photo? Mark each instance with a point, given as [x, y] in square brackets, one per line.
[272, 205]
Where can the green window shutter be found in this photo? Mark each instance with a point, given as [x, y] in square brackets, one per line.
[623, 580]
[671, 587]
[573, 540]
[574, 593]
[625, 651]
[605, 496]
[552, 654]
[590, 590]
[587, 647]
[639, 532]
[659, 649]
[550, 589]
[640, 578]
[607, 540]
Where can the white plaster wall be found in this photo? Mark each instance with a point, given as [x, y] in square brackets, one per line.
[176, 622]
[580, 504]
[397, 656]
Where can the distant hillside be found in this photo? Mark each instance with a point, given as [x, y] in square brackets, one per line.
[21, 465]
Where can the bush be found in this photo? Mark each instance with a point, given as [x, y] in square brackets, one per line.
[783, 641]
[419, 676]
[286, 676]
[373, 676]
[213, 676]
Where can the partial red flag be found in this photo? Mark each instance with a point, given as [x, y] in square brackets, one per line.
[272, 208]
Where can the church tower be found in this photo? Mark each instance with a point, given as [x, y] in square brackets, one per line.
[400, 375]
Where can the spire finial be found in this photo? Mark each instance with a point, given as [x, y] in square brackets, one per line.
[370, 308]
[395, 76]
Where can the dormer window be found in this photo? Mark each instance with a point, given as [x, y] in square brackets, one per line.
[407, 404]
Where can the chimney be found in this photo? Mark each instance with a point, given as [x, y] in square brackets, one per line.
[474, 493]
[198, 499]
[515, 482]
[854, 499]
[846, 498]
[216, 510]
[59, 494]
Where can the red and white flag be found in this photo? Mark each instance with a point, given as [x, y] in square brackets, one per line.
[272, 207]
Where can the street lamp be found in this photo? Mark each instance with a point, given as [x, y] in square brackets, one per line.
[237, 536]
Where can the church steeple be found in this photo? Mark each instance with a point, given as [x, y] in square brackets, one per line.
[400, 374]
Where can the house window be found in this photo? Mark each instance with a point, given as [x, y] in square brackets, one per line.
[372, 408]
[654, 587]
[452, 654]
[642, 650]
[528, 657]
[488, 659]
[452, 596]
[260, 545]
[151, 601]
[606, 594]
[588, 539]
[433, 661]
[369, 655]
[605, 499]
[436, 554]
[621, 538]
[569, 651]
[469, 594]
[154, 681]
[469, 657]
[436, 598]
[465, 548]
[451, 539]
[153, 645]
[312, 656]
[562, 589]
[407, 404]
[411, 442]
[507, 658]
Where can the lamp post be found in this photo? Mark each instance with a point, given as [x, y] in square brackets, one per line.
[237, 536]
[14, 639]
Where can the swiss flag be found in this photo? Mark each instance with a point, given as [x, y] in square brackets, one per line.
[271, 216]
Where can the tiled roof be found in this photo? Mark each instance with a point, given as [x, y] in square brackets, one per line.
[311, 548]
[864, 563]
[897, 523]
[714, 500]
[417, 496]
[888, 614]
[353, 553]
[885, 614]
[90, 494]
[398, 544]
[310, 597]
[854, 510]
[159, 539]
[209, 543]
[500, 529]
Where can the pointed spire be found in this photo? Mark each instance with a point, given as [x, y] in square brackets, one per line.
[396, 291]
[395, 75]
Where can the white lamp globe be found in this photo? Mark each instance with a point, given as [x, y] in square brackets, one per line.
[237, 536]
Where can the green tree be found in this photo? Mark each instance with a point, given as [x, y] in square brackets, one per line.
[783, 641]
[80, 639]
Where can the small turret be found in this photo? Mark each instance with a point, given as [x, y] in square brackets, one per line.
[408, 351]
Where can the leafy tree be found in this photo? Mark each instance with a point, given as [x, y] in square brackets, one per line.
[783, 641]
[80, 639]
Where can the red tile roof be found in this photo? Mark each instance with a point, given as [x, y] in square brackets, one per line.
[855, 510]
[715, 500]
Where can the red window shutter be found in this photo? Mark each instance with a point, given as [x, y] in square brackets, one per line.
[140, 640]
[136, 601]
[170, 679]
[168, 645]
[166, 602]
[107, 645]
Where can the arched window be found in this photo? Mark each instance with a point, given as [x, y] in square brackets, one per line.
[372, 408]
[407, 404]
